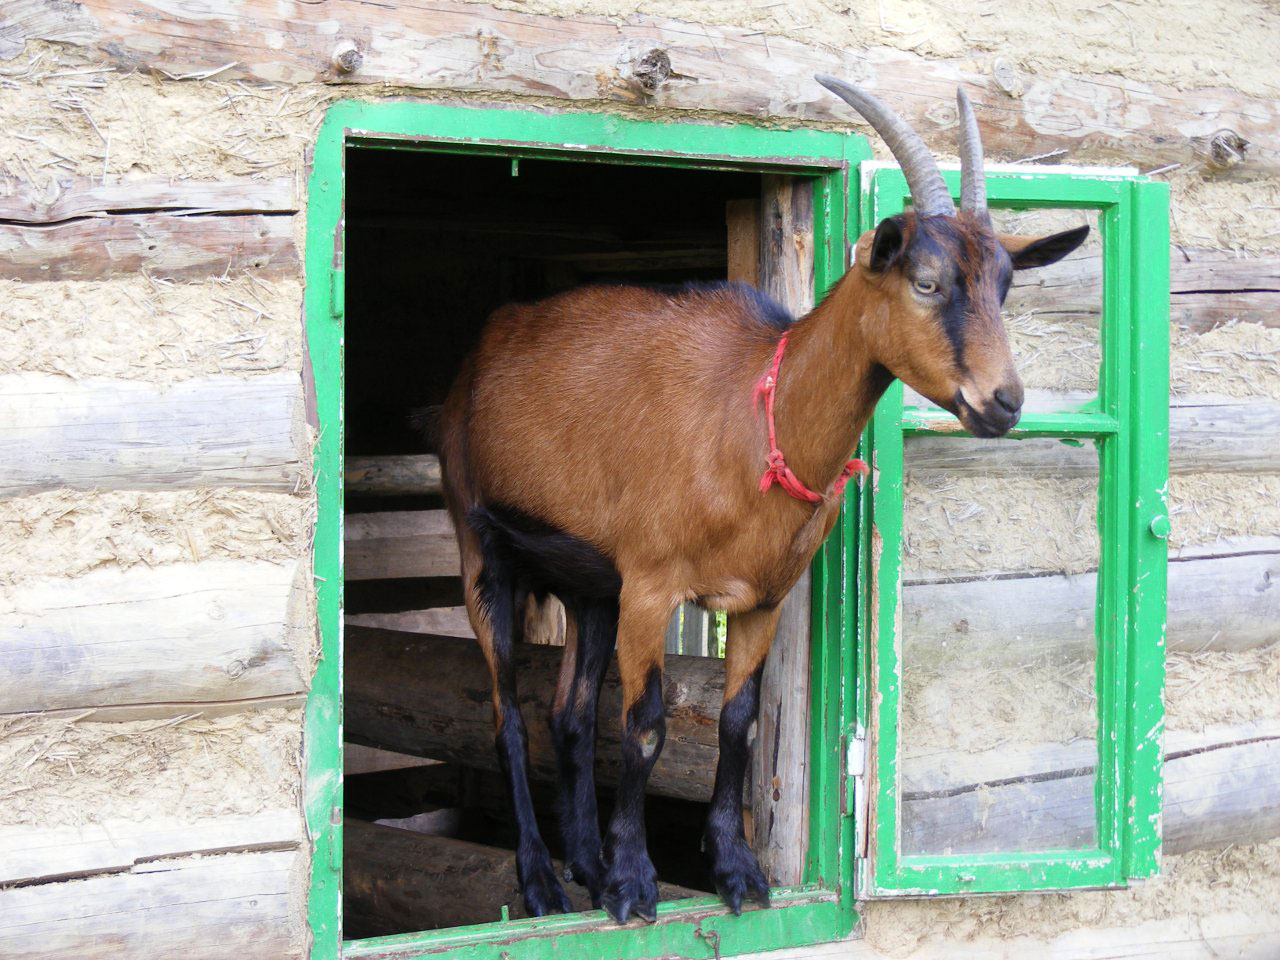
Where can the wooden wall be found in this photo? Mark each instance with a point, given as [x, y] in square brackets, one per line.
[154, 456]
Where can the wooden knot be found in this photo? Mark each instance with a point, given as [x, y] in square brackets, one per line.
[652, 71]
[1227, 149]
[1006, 77]
[347, 57]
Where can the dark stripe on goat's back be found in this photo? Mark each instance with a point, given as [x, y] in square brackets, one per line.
[767, 311]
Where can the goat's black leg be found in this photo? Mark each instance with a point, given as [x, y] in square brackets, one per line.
[491, 603]
[591, 629]
[631, 883]
[734, 869]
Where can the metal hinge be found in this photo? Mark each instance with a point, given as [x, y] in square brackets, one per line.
[856, 788]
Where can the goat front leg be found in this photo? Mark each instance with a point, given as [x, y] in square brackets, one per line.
[631, 883]
[591, 628]
[734, 868]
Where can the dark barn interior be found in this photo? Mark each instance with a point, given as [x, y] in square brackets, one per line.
[434, 242]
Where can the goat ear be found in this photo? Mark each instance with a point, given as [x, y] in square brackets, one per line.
[1029, 252]
[887, 244]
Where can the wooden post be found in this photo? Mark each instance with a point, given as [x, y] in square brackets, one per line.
[780, 755]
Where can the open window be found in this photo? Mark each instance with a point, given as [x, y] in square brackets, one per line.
[1012, 591]
[422, 219]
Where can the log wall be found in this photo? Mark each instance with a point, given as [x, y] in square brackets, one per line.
[160, 144]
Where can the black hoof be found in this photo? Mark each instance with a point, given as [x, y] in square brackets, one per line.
[632, 892]
[542, 892]
[737, 877]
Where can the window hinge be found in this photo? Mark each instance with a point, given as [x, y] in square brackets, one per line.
[856, 788]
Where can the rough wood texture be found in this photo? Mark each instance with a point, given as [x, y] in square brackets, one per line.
[1215, 603]
[74, 197]
[394, 476]
[439, 45]
[163, 245]
[122, 434]
[429, 696]
[214, 908]
[1205, 435]
[398, 880]
[405, 543]
[779, 775]
[39, 853]
[444, 621]
[192, 632]
[1218, 790]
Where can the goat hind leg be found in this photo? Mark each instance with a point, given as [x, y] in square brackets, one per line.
[490, 601]
[734, 868]
[591, 629]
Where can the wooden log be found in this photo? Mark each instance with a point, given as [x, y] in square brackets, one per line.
[402, 543]
[215, 908]
[74, 197]
[394, 476]
[397, 880]
[129, 435]
[1205, 435]
[444, 621]
[779, 771]
[429, 696]
[161, 245]
[1215, 603]
[34, 853]
[193, 632]
[1216, 793]
[731, 69]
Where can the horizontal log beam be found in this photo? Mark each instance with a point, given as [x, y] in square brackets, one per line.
[215, 908]
[162, 245]
[429, 696]
[393, 476]
[75, 197]
[191, 633]
[731, 69]
[445, 621]
[395, 881]
[130, 435]
[38, 853]
[402, 543]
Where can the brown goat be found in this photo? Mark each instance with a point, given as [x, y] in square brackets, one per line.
[605, 445]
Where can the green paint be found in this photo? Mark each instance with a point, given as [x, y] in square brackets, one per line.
[1128, 422]
[821, 911]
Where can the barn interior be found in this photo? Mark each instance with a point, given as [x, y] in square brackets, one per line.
[434, 242]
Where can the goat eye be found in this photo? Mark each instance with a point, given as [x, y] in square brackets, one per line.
[926, 286]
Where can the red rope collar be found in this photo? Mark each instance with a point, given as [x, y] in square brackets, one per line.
[778, 472]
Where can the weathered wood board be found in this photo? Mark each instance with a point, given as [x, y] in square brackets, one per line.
[35, 852]
[403, 543]
[124, 434]
[215, 908]
[444, 621]
[468, 46]
[193, 632]
[73, 197]
[429, 696]
[393, 476]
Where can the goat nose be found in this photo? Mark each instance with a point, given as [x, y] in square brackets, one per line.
[1010, 401]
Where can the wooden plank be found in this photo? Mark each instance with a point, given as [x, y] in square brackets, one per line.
[742, 219]
[358, 760]
[193, 632]
[215, 908]
[444, 621]
[393, 476]
[38, 853]
[1204, 436]
[130, 435]
[73, 197]
[1215, 795]
[473, 47]
[429, 696]
[162, 245]
[779, 775]
[1215, 603]
[397, 880]
[401, 543]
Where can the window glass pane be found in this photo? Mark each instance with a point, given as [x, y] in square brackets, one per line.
[998, 706]
[1053, 313]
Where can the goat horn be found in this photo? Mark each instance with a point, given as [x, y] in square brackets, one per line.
[928, 190]
[973, 181]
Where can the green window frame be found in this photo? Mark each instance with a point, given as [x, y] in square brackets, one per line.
[1128, 422]
[822, 908]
